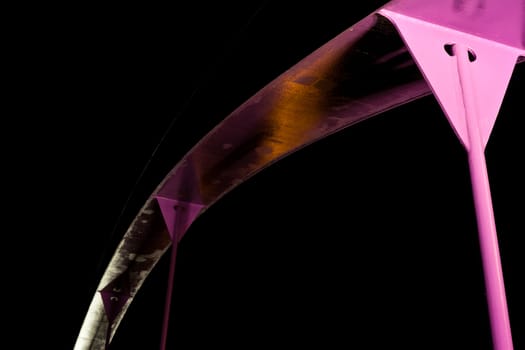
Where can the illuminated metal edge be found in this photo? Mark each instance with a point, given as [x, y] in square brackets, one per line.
[362, 72]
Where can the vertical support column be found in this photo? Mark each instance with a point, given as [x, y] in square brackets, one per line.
[178, 216]
[490, 254]
[468, 75]
[180, 211]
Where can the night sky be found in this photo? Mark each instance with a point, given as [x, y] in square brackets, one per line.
[366, 237]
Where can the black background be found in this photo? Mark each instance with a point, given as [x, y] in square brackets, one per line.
[366, 237]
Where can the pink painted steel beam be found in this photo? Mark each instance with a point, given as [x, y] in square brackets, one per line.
[362, 72]
[467, 52]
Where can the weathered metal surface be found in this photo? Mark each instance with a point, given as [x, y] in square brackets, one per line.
[142, 246]
[360, 73]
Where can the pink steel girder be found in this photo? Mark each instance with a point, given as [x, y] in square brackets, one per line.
[465, 50]
[467, 54]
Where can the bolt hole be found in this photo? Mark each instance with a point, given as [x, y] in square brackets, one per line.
[449, 49]
[471, 55]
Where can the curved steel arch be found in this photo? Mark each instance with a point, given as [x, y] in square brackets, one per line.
[362, 72]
